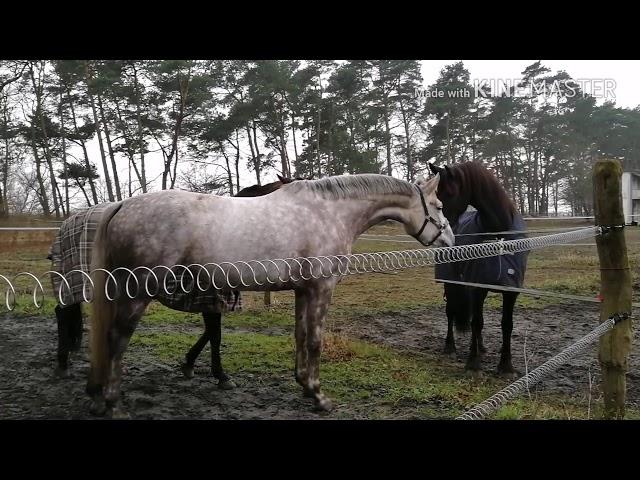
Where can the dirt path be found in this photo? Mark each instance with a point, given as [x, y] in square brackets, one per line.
[28, 388]
[548, 332]
[152, 390]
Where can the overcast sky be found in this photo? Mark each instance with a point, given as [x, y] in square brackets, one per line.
[624, 72]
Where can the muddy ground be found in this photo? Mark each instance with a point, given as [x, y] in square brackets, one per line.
[153, 390]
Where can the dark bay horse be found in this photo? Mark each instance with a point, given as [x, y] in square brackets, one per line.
[472, 184]
[301, 219]
[72, 238]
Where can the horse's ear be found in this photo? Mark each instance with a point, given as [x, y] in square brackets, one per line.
[434, 169]
[280, 178]
[432, 184]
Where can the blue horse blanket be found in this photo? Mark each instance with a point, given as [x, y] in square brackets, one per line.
[506, 270]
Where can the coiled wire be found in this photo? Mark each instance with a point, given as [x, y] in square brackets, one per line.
[496, 401]
[268, 272]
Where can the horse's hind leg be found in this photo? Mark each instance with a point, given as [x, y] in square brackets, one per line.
[213, 326]
[508, 302]
[192, 354]
[119, 336]
[477, 322]
[64, 340]
[301, 375]
[75, 327]
[317, 307]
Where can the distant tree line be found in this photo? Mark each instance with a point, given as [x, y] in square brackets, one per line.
[204, 121]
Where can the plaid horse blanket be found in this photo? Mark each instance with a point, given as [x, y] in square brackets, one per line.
[71, 250]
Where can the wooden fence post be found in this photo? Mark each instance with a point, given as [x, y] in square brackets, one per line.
[267, 298]
[615, 278]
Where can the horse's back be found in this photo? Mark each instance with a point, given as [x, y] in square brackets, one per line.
[176, 227]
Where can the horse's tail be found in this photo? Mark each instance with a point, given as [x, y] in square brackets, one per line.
[459, 301]
[103, 310]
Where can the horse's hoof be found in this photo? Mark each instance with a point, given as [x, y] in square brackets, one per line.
[61, 372]
[507, 371]
[226, 385]
[301, 378]
[187, 370]
[322, 404]
[119, 414]
[475, 375]
[473, 365]
[509, 375]
[98, 407]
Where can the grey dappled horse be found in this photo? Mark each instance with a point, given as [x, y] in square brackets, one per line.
[69, 315]
[304, 218]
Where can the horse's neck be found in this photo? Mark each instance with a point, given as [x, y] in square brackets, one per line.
[362, 214]
[491, 219]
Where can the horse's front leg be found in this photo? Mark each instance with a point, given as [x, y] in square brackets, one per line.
[508, 303]
[450, 341]
[301, 376]
[477, 322]
[213, 328]
[317, 307]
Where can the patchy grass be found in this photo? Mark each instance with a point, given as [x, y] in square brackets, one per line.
[378, 381]
[374, 380]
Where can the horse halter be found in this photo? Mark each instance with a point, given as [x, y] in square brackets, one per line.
[428, 218]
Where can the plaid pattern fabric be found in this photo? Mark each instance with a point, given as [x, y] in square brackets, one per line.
[71, 250]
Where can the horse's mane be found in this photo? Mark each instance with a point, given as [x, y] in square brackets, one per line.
[354, 186]
[488, 196]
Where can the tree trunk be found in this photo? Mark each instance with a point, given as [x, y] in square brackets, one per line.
[405, 120]
[94, 194]
[254, 160]
[387, 131]
[176, 134]
[64, 155]
[449, 154]
[4, 204]
[293, 134]
[229, 174]
[38, 90]
[112, 157]
[237, 160]
[318, 127]
[42, 194]
[258, 166]
[107, 177]
[136, 87]
[83, 191]
[130, 153]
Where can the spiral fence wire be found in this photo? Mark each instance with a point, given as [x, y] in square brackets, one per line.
[261, 274]
[495, 402]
